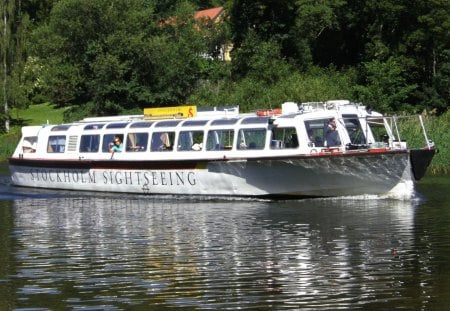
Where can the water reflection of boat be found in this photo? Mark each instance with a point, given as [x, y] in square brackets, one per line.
[175, 252]
[325, 149]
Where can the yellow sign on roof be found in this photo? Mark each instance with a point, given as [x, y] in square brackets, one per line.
[179, 112]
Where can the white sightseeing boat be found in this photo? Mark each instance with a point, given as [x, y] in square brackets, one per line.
[292, 152]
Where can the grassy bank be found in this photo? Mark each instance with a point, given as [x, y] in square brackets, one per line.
[37, 115]
[437, 128]
[34, 115]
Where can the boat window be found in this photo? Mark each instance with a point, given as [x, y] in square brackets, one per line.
[137, 141]
[255, 120]
[314, 128]
[224, 121]
[60, 128]
[288, 116]
[220, 139]
[194, 122]
[117, 125]
[190, 141]
[95, 126]
[108, 141]
[89, 143]
[354, 130]
[141, 124]
[29, 144]
[162, 141]
[56, 144]
[379, 131]
[251, 139]
[167, 123]
[319, 135]
[284, 137]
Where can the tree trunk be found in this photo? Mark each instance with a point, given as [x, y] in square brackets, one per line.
[5, 73]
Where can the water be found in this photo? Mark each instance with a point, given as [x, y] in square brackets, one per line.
[86, 251]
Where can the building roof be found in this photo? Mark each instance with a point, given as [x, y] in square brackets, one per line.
[211, 14]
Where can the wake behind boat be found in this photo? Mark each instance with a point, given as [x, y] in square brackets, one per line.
[320, 149]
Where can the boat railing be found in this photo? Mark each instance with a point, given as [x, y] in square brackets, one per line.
[428, 143]
[396, 125]
[312, 106]
[112, 118]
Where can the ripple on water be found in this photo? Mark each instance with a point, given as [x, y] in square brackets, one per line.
[110, 253]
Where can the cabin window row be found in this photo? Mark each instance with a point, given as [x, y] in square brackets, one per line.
[192, 140]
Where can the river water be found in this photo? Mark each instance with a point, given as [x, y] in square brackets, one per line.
[89, 251]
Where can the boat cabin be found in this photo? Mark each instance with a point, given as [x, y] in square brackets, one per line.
[214, 133]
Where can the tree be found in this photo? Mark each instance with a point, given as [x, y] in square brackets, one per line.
[414, 33]
[37, 10]
[12, 53]
[262, 21]
[108, 57]
[314, 23]
[385, 87]
[427, 44]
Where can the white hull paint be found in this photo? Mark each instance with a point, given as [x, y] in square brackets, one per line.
[319, 176]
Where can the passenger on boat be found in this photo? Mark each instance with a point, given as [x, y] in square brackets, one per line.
[116, 145]
[331, 134]
[197, 147]
[311, 139]
[165, 140]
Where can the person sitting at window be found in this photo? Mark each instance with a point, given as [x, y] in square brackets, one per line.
[165, 140]
[331, 134]
[116, 145]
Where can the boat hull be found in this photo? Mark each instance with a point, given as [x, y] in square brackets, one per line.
[291, 176]
[420, 160]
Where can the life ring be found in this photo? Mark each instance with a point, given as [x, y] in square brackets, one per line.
[269, 112]
[313, 150]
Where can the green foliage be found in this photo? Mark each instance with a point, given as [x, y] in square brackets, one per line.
[313, 19]
[268, 19]
[254, 93]
[103, 57]
[8, 143]
[260, 60]
[117, 57]
[385, 87]
[438, 131]
[13, 28]
[37, 10]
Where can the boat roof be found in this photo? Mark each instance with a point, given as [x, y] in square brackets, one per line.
[198, 116]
